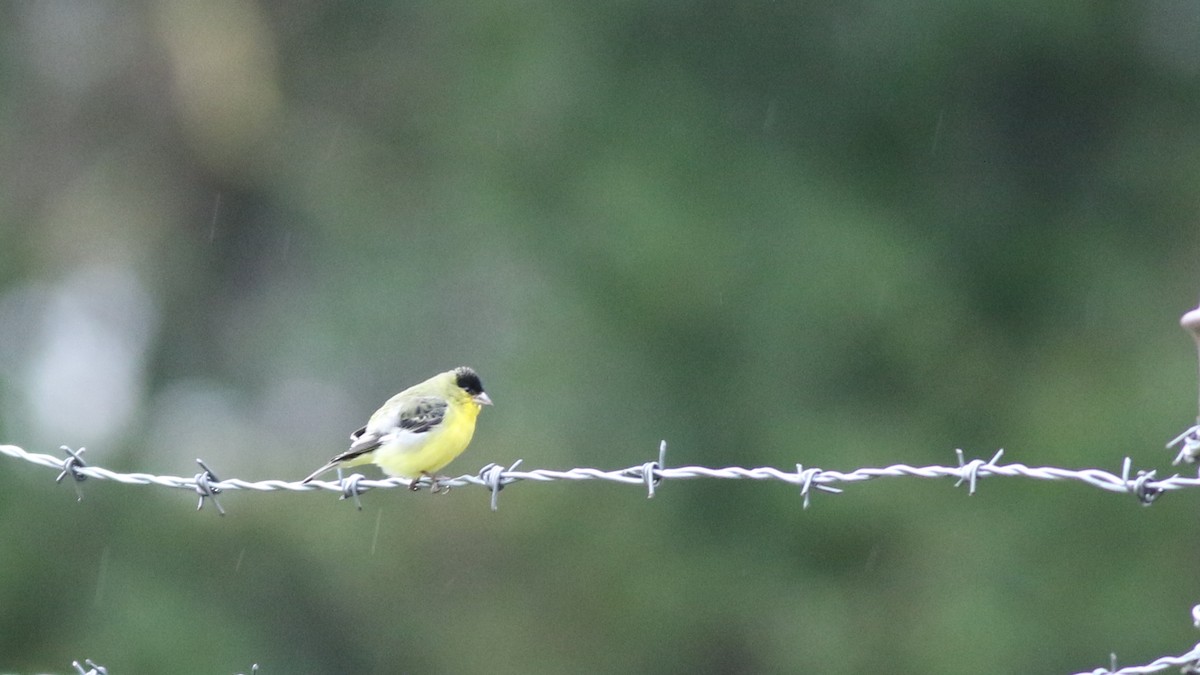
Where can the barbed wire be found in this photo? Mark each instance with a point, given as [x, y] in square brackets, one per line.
[1144, 485]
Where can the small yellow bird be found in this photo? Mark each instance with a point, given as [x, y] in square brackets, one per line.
[420, 430]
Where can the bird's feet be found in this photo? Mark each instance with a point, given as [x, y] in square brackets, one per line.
[435, 487]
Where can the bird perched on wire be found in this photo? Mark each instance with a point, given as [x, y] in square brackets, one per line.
[420, 430]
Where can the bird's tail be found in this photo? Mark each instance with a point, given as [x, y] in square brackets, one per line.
[319, 471]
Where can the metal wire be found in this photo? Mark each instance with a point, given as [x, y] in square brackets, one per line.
[1143, 485]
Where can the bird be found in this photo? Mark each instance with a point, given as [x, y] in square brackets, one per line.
[418, 431]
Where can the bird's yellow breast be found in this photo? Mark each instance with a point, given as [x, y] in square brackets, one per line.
[435, 450]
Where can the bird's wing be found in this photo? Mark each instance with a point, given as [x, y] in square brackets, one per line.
[422, 414]
[402, 417]
[415, 416]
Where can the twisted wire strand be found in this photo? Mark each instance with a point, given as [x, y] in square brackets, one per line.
[1144, 484]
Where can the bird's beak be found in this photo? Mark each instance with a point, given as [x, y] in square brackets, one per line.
[482, 399]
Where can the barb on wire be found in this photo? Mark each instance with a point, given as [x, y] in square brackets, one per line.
[351, 488]
[1189, 441]
[807, 481]
[650, 471]
[493, 478]
[1189, 446]
[970, 470]
[205, 488]
[93, 669]
[1143, 485]
[1140, 486]
[69, 468]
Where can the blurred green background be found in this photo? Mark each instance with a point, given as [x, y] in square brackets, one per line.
[841, 234]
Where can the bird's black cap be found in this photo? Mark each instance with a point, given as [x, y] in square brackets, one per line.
[468, 380]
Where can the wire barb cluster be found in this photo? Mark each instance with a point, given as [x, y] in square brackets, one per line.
[1145, 486]
[1189, 446]
[93, 669]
